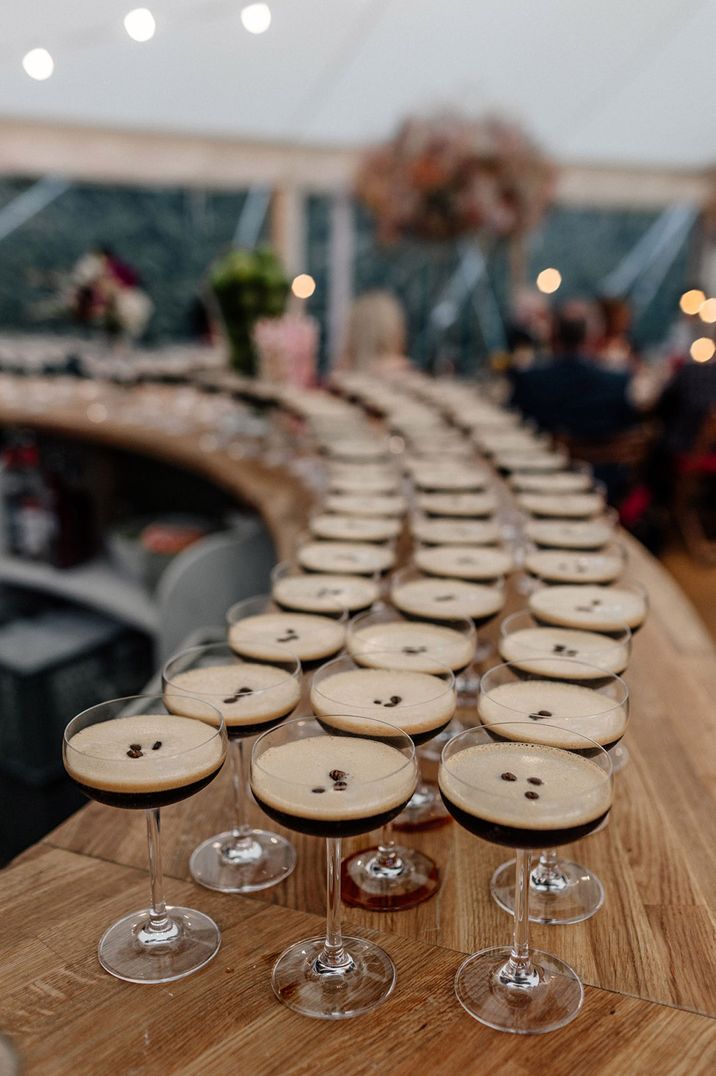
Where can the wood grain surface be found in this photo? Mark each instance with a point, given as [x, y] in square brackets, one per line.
[648, 957]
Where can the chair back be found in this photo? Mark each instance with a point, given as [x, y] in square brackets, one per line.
[201, 583]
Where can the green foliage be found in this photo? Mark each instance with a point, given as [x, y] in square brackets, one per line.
[248, 285]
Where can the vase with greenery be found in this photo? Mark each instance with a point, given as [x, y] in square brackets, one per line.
[248, 285]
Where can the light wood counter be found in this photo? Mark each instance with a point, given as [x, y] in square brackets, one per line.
[648, 957]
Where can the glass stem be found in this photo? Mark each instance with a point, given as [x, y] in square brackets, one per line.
[388, 857]
[546, 876]
[333, 955]
[159, 921]
[519, 973]
[239, 782]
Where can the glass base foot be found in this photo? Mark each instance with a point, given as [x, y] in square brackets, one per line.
[551, 999]
[305, 985]
[575, 895]
[259, 860]
[366, 884]
[425, 810]
[130, 952]
[619, 754]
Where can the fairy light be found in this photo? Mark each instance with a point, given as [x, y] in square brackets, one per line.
[702, 349]
[303, 286]
[38, 64]
[707, 311]
[691, 301]
[256, 18]
[549, 280]
[140, 24]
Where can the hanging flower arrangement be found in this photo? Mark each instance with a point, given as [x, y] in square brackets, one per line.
[446, 176]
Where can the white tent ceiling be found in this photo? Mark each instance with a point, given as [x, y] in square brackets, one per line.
[613, 81]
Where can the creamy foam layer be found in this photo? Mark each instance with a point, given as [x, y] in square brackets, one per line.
[307, 636]
[573, 790]
[563, 566]
[590, 607]
[415, 702]
[457, 504]
[530, 647]
[312, 594]
[367, 504]
[446, 599]
[378, 778]
[456, 532]
[347, 557]
[464, 562]
[554, 711]
[355, 528]
[363, 483]
[409, 645]
[562, 534]
[452, 477]
[530, 461]
[356, 449]
[561, 482]
[562, 505]
[98, 756]
[245, 694]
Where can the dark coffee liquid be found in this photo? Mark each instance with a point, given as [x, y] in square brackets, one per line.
[146, 801]
[518, 837]
[326, 827]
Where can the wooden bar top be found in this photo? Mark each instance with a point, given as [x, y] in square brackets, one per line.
[648, 958]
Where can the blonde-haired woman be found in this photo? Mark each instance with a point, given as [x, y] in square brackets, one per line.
[376, 338]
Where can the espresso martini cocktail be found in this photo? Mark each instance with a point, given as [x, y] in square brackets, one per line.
[311, 592]
[326, 785]
[252, 696]
[336, 528]
[565, 566]
[348, 698]
[431, 531]
[561, 714]
[472, 563]
[571, 653]
[441, 599]
[136, 753]
[347, 558]
[501, 786]
[386, 639]
[583, 534]
[257, 626]
[593, 608]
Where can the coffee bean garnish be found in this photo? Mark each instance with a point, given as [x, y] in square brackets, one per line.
[444, 597]
[318, 790]
[135, 747]
[535, 781]
[465, 560]
[571, 653]
[290, 636]
[415, 649]
[507, 776]
[532, 795]
[558, 648]
[394, 700]
[583, 609]
[337, 775]
[156, 745]
[377, 702]
[134, 753]
[340, 785]
[239, 694]
[540, 714]
[326, 592]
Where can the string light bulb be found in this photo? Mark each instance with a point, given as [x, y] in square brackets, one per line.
[38, 64]
[702, 349]
[303, 286]
[140, 24]
[707, 311]
[549, 280]
[691, 301]
[256, 18]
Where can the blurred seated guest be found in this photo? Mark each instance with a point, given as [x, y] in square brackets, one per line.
[616, 348]
[686, 403]
[530, 328]
[571, 393]
[377, 335]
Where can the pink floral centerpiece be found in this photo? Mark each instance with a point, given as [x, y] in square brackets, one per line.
[447, 175]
